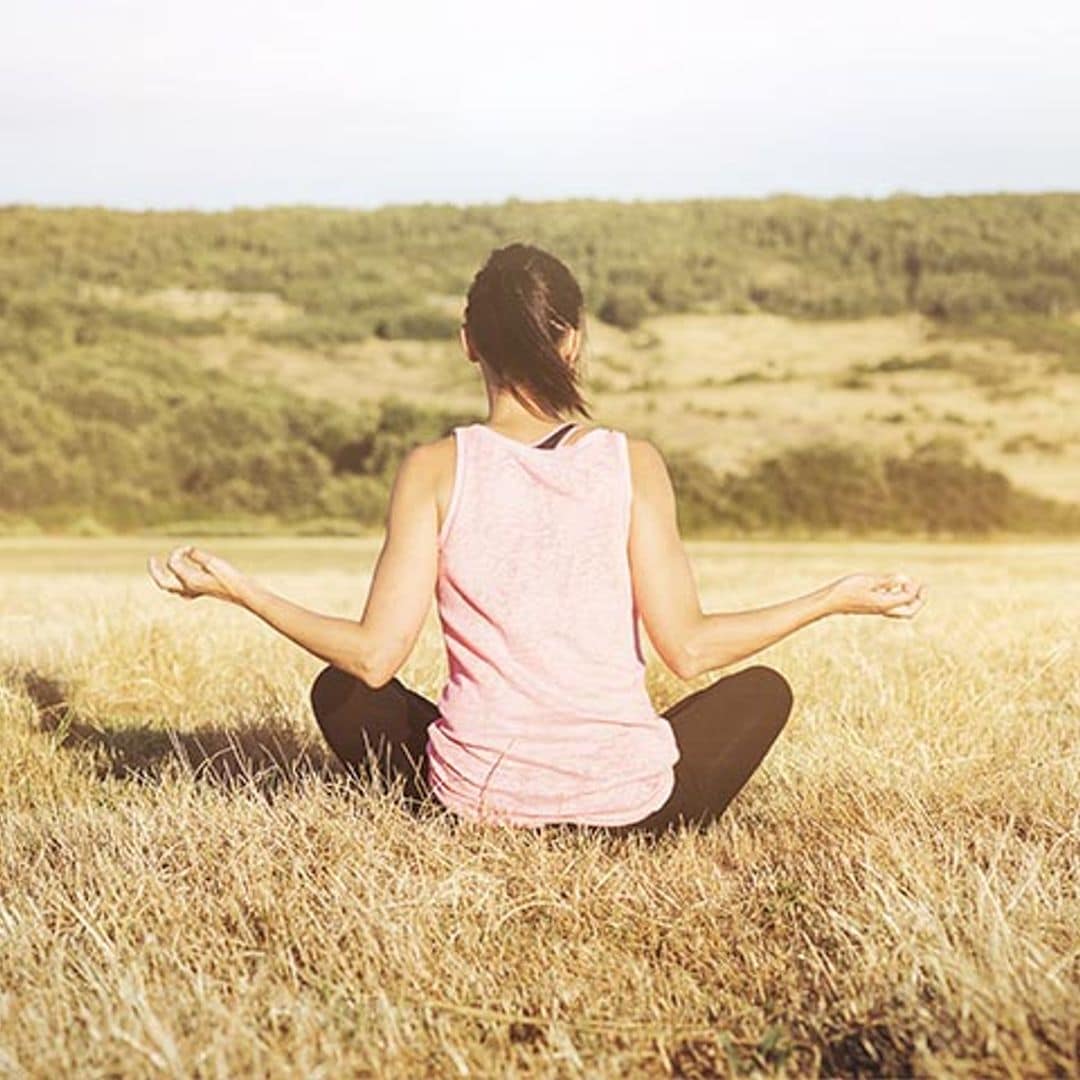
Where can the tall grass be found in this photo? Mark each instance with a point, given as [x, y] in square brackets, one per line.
[189, 885]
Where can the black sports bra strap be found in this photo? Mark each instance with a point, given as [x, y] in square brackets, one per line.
[552, 440]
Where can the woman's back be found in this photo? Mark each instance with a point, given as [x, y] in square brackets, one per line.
[545, 716]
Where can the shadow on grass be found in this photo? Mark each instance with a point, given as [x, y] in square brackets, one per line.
[266, 754]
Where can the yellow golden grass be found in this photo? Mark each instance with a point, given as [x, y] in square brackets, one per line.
[190, 886]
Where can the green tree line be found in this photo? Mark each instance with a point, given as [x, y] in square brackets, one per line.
[106, 418]
[354, 273]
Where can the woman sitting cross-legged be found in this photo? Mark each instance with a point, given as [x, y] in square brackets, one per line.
[544, 543]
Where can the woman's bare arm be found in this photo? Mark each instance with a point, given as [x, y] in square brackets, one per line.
[722, 638]
[372, 647]
[691, 641]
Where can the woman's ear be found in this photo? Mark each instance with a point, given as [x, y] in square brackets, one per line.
[569, 345]
[465, 343]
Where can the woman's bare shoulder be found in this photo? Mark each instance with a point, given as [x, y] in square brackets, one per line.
[649, 476]
[645, 455]
[440, 457]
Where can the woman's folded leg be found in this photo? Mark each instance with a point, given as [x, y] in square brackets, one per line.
[723, 731]
[387, 726]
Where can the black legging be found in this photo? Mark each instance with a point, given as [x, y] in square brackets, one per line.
[723, 731]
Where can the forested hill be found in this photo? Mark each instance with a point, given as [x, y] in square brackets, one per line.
[949, 257]
[156, 367]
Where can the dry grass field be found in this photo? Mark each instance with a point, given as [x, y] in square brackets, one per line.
[189, 886]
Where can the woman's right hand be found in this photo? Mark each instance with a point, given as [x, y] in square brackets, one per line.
[895, 595]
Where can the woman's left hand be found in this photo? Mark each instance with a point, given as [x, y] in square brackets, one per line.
[190, 572]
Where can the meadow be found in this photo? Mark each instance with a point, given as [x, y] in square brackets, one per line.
[190, 886]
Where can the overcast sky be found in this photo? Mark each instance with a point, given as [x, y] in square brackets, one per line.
[157, 103]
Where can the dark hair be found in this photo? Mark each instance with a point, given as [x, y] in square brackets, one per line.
[520, 305]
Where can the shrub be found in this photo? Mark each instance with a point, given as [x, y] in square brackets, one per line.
[317, 331]
[624, 306]
[937, 488]
[960, 296]
[417, 324]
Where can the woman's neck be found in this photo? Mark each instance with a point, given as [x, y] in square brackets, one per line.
[507, 414]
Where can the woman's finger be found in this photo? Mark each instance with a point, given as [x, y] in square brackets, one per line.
[890, 598]
[899, 598]
[910, 607]
[170, 581]
[175, 563]
[163, 578]
[898, 582]
[199, 557]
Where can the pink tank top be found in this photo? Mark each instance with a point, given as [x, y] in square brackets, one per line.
[544, 716]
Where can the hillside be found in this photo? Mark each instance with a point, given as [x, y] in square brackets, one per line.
[271, 366]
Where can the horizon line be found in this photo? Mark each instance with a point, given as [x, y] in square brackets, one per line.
[516, 200]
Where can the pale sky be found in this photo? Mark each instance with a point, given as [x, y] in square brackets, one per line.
[158, 103]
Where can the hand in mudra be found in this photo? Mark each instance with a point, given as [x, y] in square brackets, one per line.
[190, 572]
[895, 595]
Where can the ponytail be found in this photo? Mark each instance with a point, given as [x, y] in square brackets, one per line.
[520, 305]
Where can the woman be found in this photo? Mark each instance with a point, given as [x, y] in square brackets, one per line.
[544, 542]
